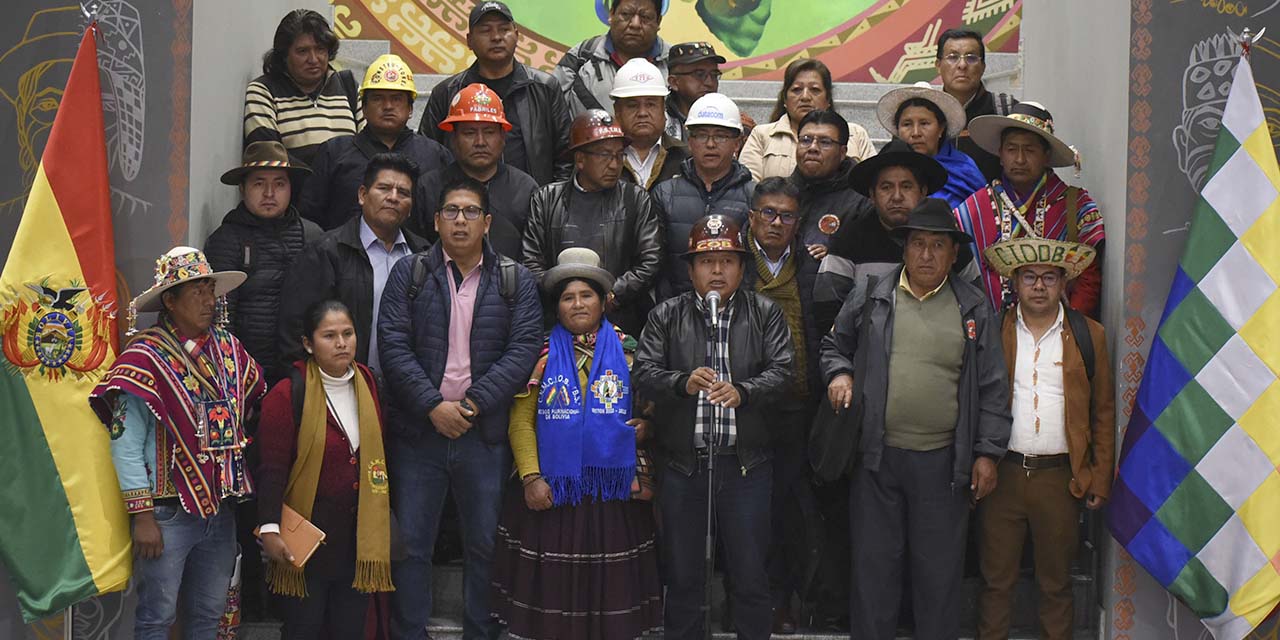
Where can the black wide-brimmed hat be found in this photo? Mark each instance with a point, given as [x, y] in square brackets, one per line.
[898, 154]
[932, 214]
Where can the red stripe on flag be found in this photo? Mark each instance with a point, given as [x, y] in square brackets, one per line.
[75, 162]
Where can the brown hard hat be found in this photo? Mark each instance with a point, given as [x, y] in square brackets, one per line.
[593, 125]
[714, 233]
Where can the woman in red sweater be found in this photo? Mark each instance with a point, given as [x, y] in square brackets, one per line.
[322, 456]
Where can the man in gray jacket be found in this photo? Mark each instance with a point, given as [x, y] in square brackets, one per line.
[586, 71]
[920, 364]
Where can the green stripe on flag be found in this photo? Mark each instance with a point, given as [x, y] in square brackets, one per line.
[1209, 240]
[1195, 586]
[1223, 149]
[49, 569]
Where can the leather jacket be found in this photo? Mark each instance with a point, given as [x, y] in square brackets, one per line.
[627, 234]
[674, 344]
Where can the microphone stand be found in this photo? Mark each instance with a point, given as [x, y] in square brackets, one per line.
[710, 552]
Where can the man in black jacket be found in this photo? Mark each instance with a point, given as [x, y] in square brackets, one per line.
[961, 61]
[921, 366]
[709, 182]
[260, 237]
[476, 121]
[827, 202]
[329, 197]
[595, 210]
[351, 263]
[779, 268]
[538, 140]
[715, 370]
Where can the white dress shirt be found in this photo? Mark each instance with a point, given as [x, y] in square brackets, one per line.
[1039, 419]
[643, 168]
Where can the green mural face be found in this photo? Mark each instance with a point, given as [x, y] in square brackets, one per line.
[741, 29]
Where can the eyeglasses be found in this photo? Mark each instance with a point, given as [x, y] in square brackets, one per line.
[701, 75]
[645, 18]
[954, 59]
[606, 156]
[769, 214]
[1049, 278]
[823, 143]
[450, 212]
[703, 137]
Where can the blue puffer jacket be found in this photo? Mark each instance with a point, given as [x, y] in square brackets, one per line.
[683, 200]
[413, 343]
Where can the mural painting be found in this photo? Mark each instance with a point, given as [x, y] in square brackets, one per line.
[865, 41]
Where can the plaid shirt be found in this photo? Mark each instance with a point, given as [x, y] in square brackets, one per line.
[720, 422]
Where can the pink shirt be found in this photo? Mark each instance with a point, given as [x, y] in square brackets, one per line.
[457, 366]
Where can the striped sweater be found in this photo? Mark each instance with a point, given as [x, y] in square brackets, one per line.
[276, 109]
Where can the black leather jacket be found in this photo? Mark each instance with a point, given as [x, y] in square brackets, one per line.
[543, 118]
[673, 344]
[630, 242]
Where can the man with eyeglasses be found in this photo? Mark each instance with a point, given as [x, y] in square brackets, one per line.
[827, 202]
[961, 61]
[638, 96]
[779, 268]
[537, 139]
[476, 122]
[1062, 445]
[459, 332]
[920, 365]
[694, 72]
[708, 183]
[586, 72]
[596, 210]
[351, 263]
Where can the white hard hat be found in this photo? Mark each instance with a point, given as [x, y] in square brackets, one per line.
[638, 77]
[714, 109]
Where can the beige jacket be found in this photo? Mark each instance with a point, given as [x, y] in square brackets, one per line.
[771, 148]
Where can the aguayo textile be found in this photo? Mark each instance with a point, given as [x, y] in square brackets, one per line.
[199, 399]
[1197, 493]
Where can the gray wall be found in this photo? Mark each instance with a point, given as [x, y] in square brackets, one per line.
[226, 53]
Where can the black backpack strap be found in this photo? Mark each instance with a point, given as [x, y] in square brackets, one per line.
[298, 387]
[580, 88]
[418, 276]
[509, 280]
[1080, 329]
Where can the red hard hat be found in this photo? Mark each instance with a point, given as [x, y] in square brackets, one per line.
[476, 103]
[593, 125]
[715, 232]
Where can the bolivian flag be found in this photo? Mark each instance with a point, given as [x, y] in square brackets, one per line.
[64, 535]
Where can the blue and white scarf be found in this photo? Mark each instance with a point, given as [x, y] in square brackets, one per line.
[591, 452]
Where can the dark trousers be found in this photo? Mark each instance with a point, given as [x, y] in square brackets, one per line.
[423, 471]
[1039, 501]
[331, 609]
[908, 512]
[741, 501]
[794, 508]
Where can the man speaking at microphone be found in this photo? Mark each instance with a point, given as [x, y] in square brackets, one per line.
[714, 359]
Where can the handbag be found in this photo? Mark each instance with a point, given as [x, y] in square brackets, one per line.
[833, 441]
[299, 535]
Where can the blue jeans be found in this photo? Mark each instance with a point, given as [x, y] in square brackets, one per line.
[422, 472]
[198, 559]
[742, 524]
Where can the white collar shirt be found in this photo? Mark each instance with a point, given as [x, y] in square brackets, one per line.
[1039, 419]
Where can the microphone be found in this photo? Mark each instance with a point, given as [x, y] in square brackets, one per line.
[713, 299]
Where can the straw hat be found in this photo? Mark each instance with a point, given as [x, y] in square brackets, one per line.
[1006, 256]
[182, 265]
[887, 107]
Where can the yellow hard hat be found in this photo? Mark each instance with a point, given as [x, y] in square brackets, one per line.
[389, 72]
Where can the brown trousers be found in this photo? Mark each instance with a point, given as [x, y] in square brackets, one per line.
[1039, 500]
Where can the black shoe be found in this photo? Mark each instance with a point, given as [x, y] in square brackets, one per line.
[783, 623]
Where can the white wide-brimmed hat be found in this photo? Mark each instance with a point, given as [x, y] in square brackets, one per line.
[887, 107]
[985, 131]
[179, 266]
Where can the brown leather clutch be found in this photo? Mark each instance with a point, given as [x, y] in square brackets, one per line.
[299, 535]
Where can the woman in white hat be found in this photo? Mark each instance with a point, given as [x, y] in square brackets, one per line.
[929, 120]
[575, 556]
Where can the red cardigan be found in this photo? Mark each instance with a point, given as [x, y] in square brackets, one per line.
[337, 494]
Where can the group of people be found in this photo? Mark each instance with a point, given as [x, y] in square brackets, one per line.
[615, 321]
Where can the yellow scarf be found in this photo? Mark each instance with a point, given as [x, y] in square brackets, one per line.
[373, 516]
